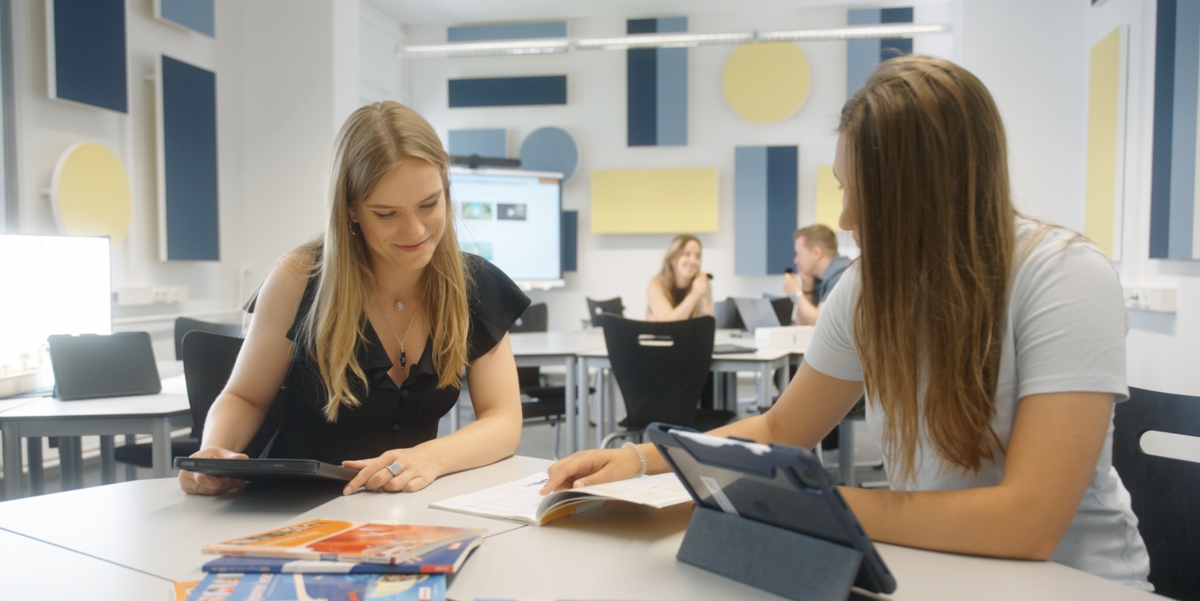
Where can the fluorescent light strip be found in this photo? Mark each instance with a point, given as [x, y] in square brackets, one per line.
[684, 40]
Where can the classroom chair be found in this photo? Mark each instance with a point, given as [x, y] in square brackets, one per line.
[597, 309]
[549, 403]
[183, 325]
[1163, 490]
[661, 368]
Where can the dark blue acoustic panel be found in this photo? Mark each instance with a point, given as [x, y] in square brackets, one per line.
[507, 31]
[508, 91]
[87, 52]
[196, 15]
[189, 147]
[656, 87]
[569, 239]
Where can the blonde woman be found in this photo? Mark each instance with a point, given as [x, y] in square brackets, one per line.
[372, 324]
[680, 290]
[990, 347]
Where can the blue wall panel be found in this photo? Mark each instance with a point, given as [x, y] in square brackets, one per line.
[193, 14]
[189, 106]
[569, 239]
[863, 56]
[89, 53]
[550, 149]
[492, 143]
[750, 210]
[1176, 100]
[508, 91]
[657, 87]
[1164, 114]
[507, 31]
[782, 198]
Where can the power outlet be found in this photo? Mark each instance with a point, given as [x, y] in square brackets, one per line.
[1157, 300]
[151, 295]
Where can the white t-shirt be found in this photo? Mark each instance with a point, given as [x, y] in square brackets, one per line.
[1065, 332]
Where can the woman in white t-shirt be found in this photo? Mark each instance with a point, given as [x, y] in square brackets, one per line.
[991, 347]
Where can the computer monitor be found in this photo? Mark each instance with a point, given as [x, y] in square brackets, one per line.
[511, 218]
[53, 285]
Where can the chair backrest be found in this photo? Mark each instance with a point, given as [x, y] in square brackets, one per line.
[598, 308]
[726, 315]
[1164, 490]
[783, 310]
[207, 363]
[183, 325]
[534, 319]
[661, 367]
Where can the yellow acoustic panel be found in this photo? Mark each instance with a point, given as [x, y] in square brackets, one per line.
[90, 193]
[829, 198]
[1103, 95]
[654, 201]
[766, 82]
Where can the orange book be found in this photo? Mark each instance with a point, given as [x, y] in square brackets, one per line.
[335, 540]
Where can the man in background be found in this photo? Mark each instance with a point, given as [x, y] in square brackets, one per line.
[818, 269]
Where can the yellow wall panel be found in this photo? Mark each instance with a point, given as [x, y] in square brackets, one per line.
[654, 201]
[829, 198]
[91, 193]
[1104, 91]
[766, 83]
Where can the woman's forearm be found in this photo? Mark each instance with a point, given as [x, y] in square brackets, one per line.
[232, 423]
[493, 436]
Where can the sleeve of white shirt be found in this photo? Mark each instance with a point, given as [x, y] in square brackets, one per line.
[832, 350]
[1069, 322]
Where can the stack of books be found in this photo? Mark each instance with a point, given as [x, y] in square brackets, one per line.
[333, 559]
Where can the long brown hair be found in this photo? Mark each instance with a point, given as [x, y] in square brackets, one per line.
[929, 182]
[373, 141]
[666, 275]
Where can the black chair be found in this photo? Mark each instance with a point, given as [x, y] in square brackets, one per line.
[597, 309]
[549, 403]
[661, 368]
[783, 309]
[1163, 490]
[183, 325]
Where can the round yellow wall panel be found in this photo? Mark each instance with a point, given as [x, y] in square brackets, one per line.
[766, 82]
[90, 192]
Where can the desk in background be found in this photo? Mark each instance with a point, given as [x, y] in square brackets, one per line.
[150, 529]
[155, 414]
[538, 349]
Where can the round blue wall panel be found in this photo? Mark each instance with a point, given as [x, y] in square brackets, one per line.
[550, 149]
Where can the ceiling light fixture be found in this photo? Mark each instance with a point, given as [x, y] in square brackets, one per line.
[667, 40]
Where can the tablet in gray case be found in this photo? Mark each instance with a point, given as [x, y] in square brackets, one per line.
[91, 366]
[266, 469]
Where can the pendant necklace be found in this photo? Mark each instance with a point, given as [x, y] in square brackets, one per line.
[399, 307]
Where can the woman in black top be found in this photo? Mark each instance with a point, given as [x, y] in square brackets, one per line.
[680, 290]
[372, 324]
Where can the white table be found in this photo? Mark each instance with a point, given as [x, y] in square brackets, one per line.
[137, 531]
[537, 349]
[155, 414]
[36, 570]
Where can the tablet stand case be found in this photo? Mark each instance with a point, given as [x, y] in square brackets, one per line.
[789, 564]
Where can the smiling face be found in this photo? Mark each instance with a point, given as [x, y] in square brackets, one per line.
[687, 264]
[403, 219]
[842, 171]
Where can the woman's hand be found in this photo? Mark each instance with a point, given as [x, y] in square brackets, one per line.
[417, 471]
[700, 284]
[586, 468]
[203, 484]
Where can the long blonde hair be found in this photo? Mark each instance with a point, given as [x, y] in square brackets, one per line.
[373, 141]
[929, 180]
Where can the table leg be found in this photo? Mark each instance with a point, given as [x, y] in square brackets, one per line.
[719, 390]
[846, 453]
[570, 395]
[37, 480]
[130, 469]
[68, 447]
[108, 460]
[601, 406]
[763, 378]
[12, 460]
[582, 397]
[160, 448]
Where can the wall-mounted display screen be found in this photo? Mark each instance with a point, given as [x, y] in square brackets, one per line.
[511, 218]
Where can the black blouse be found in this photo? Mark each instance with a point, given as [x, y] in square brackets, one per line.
[389, 417]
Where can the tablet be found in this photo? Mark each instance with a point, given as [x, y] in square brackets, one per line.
[780, 485]
[92, 366]
[730, 349]
[266, 469]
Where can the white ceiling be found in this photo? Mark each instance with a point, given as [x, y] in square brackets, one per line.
[485, 11]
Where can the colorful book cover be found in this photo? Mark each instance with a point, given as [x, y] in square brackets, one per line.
[335, 540]
[183, 589]
[442, 560]
[314, 587]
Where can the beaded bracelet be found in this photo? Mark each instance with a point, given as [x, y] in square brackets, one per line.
[642, 457]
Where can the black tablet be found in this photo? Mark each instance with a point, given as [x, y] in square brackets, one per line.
[92, 366]
[266, 469]
[779, 485]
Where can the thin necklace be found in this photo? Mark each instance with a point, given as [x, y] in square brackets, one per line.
[403, 357]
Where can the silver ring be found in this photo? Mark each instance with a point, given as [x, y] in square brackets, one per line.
[196, 488]
[395, 468]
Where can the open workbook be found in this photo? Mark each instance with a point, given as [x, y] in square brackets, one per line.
[521, 500]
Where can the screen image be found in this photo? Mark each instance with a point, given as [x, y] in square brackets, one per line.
[64, 288]
[512, 219]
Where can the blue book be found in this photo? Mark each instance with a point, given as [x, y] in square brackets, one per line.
[290, 587]
[442, 560]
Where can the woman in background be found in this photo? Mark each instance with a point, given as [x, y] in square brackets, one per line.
[372, 324]
[680, 291]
